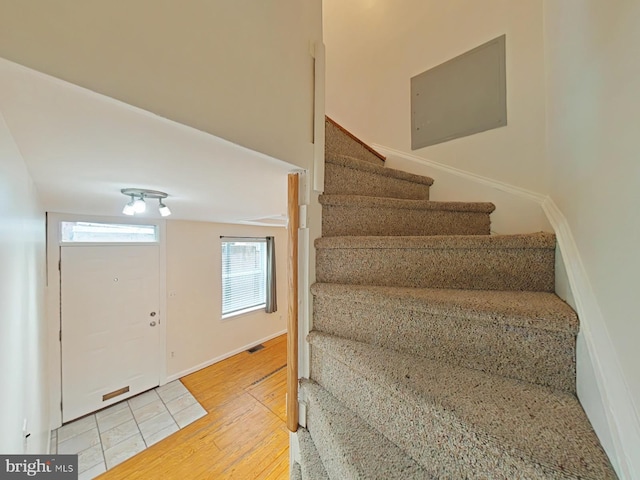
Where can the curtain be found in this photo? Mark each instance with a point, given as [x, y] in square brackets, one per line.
[272, 302]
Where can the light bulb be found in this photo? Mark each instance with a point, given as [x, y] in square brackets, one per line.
[128, 209]
[164, 210]
[139, 206]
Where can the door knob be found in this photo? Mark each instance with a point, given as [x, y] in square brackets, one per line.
[152, 314]
[153, 324]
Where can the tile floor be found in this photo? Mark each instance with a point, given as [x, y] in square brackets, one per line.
[111, 436]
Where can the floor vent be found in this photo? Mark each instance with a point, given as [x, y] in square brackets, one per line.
[256, 348]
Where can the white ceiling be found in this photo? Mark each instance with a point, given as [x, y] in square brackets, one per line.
[82, 148]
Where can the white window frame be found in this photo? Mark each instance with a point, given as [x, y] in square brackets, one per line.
[250, 308]
[155, 226]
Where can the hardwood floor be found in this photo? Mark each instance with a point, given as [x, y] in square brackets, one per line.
[244, 434]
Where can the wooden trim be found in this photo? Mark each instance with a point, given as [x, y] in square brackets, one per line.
[292, 324]
[353, 137]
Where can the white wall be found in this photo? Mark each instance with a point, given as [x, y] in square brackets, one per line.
[572, 143]
[375, 47]
[196, 334]
[23, 347]
[241, 70]
[517, 210]
[593, 120]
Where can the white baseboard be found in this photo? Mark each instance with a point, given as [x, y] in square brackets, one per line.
[602, 388]
[505, 187]
[518, 210]
[615, 404]
[208, 363]
[294, 449]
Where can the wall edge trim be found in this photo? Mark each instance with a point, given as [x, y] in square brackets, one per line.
[505, 187]
[622, 418]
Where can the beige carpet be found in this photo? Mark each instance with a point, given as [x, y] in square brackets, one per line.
[439, 351]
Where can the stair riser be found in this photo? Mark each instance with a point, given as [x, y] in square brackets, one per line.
[312, 466]
[476, 269]
[339, 142]
[319, 425]
[431, 439]
[296, 472]
[348, 447]
[536, 356]
[348, 181]
[346, 220]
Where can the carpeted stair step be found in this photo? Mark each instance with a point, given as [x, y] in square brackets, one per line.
[296, 472]
[348, 447]
[339, 140]
[361, 215]
[529, 336]
[476, 262]
[457, 422]
[312, 466]
[351, 176]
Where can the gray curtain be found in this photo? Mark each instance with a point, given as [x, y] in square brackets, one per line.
[272, 302]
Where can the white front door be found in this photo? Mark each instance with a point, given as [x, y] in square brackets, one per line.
[110, 325]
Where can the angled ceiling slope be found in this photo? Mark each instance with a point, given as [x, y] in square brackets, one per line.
[241, 70]
[82, 148]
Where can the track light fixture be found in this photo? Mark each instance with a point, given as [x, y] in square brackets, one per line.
[138, 203]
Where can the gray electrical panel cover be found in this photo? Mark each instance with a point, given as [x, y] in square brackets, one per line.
[460, 97]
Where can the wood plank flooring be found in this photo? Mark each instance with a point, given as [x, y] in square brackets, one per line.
[244, 434]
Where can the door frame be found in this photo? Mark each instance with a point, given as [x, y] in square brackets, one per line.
[53, 306]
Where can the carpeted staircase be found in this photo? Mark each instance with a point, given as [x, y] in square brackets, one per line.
[438, 350]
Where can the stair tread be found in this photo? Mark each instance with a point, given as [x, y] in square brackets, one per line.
[539, 240]
[539, 310]
[312, 463]
[402, 203]
[358, 164]
[541, 426]
[368, 453]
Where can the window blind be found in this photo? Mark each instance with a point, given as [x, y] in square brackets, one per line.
[244, 274]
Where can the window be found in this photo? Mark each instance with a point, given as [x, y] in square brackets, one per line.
[107, 232]
[244, 275]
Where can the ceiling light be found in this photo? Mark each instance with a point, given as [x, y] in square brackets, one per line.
[163, 209]
[138, 204]
[129, 208]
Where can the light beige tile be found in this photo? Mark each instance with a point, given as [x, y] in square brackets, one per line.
[161, 435]
[189, 415]
[143, 399]
[156, 423]
[172, 390]
[118, 434]
[107, 422]
[124, 405]
[93, 472]
[180, 403]
[75, 428]
[89, 458]
[79, 442]
[149, 410]
[124, 450]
